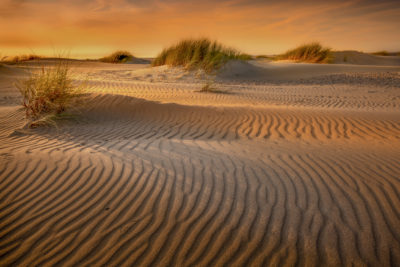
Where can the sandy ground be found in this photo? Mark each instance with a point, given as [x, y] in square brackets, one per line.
[291, 164]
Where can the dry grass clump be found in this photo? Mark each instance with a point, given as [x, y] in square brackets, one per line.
[117, 57]
[381, 53]
[386, 53]
[198, 53]
[48, 93]
[313, 53]
[207, 88]
[265, 57]
[210, 88]
[21, 58]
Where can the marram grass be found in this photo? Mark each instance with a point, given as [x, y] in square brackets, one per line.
[198, 53]
[381, 53]
[21, 58]
[48, 93]
[312, 53]
[117, 57]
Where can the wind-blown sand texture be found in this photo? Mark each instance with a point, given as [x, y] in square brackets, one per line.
[293, 164]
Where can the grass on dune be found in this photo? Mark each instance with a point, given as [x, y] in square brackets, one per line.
[265, 57]
[312, 53]
[386, 53]
[48, 93]
[198, 53]
[21, 58]
[381, 53]
[117, 57]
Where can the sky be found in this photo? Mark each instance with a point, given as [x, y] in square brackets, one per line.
[94, 28]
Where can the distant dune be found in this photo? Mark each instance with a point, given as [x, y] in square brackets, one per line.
[284, 71]
[359, 58]
[292, 165]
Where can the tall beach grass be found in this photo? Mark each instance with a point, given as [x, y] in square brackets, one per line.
[198, 53]
[312, 53]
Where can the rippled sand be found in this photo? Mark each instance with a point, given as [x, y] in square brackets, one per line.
[280, 168]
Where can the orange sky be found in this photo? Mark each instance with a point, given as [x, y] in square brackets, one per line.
[93, 28]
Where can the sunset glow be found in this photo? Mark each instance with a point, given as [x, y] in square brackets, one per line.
[93, 28]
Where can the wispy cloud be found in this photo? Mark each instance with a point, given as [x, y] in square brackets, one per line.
[144, 26]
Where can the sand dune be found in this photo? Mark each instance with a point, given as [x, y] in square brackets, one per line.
[359, 58]
[284, 72]
[278, 170]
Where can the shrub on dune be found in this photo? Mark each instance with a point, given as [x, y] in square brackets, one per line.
[117, 57]
[48, 93]
[198, 53]
[313, 53]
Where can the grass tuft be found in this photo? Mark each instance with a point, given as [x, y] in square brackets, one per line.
[48, 93]
[381, 53]
[312, 53]
[386, 53]
[265, 57]
[209, 88]
[117, 57]
[198, 54]
[21, 58]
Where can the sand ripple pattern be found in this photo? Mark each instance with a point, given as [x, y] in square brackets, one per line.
[153, 120]
[140, 183]
[331, 96]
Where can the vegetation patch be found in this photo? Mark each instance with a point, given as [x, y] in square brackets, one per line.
[265, 57]
[209, 88]
[381, 53]
[117, 57]
[312, 53]
[198, 53]
[21, 58]
[48, 93]
[386, 53]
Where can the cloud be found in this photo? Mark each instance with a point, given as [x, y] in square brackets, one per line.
[257, 26]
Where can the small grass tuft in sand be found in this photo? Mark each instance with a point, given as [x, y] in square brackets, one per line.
[207, 88]
[210, 88]
[198, 53]
[312, 53]
[117, 57]
[48, 93]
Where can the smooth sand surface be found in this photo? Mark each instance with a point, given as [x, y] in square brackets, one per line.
[289, 164]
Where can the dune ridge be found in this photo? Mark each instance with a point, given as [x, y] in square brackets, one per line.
[155, 174]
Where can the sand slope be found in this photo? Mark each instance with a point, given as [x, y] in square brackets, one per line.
[291, 172]
[286, 72]
[359, 58]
